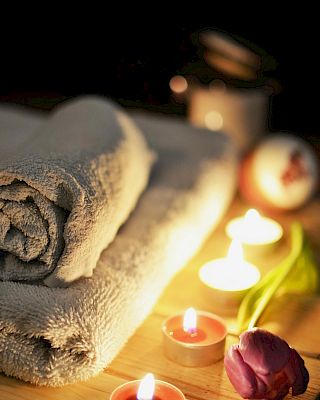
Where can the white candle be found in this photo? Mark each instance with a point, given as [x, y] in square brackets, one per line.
[254, 230]
[228, 279]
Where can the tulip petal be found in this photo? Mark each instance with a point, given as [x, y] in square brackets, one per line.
[280, 393]
[262, 387]
[264, 352]
[240, 374]
[302, 376]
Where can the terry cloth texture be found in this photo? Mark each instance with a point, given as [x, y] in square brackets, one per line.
[66, 186]
[56, 336]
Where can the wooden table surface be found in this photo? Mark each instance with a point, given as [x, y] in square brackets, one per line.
[297, 319]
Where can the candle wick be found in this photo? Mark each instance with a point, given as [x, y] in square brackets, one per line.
[191, 331]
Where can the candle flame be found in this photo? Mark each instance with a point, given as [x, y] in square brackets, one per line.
[235, 252]
[146, 388]
[190, 320]
[252, 216]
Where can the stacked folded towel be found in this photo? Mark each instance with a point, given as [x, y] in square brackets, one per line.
[65, 192]
[67, 182]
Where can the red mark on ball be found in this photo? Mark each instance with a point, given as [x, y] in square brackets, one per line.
[295, 170]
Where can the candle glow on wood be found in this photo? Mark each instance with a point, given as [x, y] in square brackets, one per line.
[231, 273]
[253, 229]
[146, 388]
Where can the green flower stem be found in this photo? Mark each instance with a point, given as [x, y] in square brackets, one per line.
[299, 263]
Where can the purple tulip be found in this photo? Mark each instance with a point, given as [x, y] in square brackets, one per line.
[263, 366]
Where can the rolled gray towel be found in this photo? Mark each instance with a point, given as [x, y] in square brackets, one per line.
[66, 187]
[54, 336]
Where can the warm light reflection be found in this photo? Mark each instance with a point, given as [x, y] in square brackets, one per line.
[230, 67]
[146, 388]
[186, 240]
[213, 120]
[190, 320]
[178, 84]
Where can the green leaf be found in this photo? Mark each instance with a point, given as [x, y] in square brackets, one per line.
[296, 273]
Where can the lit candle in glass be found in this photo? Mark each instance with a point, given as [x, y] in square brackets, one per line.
[241, 113]
[256, 233]
[228, 279]
[147, 389]
[195, 338]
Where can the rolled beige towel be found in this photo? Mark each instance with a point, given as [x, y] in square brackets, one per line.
[53, 336]
[66, 187]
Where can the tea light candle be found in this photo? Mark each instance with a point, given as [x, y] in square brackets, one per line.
[228, 279]
[147, 389]
[195, 338]
[256, 233]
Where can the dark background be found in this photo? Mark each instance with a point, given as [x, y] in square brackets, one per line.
[133, 63]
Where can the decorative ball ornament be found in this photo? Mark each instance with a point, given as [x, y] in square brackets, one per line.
[282, 172]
